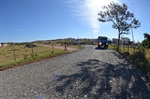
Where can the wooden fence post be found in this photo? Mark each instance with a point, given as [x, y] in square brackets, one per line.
[114, 47]
[143, 58]
[53, 47]
[123, 47]
[128, 48]
[14, 54]
[134, 48]
[65, 46]
[32, 49]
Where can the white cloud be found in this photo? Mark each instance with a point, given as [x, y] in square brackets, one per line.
[87, 11]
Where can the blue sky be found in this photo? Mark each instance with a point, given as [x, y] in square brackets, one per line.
[30, 20]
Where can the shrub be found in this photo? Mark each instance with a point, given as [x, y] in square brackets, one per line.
[139, 58]
[34, 55]
[25, 56]
[30, 45]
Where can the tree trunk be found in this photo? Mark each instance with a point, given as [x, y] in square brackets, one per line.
[118, 41]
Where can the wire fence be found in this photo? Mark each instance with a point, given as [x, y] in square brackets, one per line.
[138, 55]
[129, 48]
[16, 53]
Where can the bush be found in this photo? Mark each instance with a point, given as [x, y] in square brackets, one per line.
[34, 55]
[30, 45]
[139, 58]
[146, 43]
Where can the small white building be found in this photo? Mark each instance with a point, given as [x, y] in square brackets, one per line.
[125, 40]
[3, 44]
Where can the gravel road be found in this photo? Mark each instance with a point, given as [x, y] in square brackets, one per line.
[86, 74]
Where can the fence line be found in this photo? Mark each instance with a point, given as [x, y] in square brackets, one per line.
[127, 48]
[135, 53]
[21, 52]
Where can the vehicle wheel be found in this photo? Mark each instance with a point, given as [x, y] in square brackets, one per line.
[106, 47]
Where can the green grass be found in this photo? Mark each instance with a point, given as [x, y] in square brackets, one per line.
[24, 55]
[131, 50]
[124, 49]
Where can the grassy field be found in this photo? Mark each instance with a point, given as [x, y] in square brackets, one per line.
[24, 54]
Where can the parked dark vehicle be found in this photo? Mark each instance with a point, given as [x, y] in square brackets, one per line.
[103, 42]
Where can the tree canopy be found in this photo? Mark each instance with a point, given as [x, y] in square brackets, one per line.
[147, 36]
[146, 41]
[122, 19]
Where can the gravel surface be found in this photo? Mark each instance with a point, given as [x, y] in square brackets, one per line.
[87, 74]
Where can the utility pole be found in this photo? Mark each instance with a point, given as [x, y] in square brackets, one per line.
[133, 40]
[132, 34]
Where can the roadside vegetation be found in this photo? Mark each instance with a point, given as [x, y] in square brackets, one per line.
[23, 53]
[138, 55]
